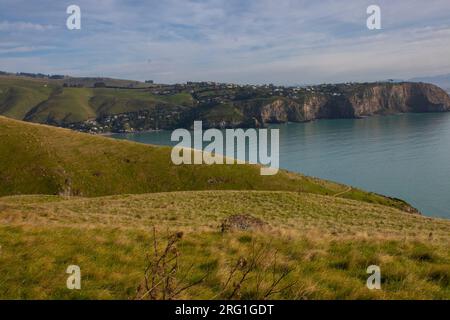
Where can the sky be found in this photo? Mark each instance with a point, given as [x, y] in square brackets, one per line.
[285, 42]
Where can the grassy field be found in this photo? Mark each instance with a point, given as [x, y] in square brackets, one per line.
[323, 243]
[117, 209]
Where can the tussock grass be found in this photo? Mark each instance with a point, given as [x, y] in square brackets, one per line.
[328, 242]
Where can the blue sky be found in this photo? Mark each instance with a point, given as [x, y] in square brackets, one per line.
[246, 41]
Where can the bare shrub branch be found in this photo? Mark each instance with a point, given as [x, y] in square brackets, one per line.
[163, 270]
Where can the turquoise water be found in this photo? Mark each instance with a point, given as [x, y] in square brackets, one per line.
[405, 156]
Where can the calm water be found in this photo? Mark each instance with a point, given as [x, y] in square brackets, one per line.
[405, 156]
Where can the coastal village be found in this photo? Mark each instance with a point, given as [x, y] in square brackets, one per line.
[204, 95]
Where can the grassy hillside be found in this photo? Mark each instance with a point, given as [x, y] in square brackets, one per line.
[322, 245]
[18, 96]
[39, 159]
[114, 101]
[47, 101]
[75, 102]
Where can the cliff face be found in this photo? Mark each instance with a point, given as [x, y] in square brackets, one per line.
[407, 97]
[357, 101]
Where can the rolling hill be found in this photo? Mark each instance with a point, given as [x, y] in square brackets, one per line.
[48, 101]
[40, 159]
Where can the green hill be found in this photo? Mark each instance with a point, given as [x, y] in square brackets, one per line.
[75, 102]
[48, 101]
[19, 96]
[39, 159]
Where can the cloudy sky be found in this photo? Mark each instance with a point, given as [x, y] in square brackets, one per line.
[243, 41]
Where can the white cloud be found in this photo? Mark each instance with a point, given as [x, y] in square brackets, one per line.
[282, 41]
[22, 49]
[23, 26]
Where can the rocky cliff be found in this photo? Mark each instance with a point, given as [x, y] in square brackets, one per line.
[356, 101]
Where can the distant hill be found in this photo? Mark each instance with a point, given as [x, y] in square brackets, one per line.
[88, 82]
[48, 101]
[99, 105]
[91, 82]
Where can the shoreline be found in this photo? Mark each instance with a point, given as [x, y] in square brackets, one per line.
[267, 125]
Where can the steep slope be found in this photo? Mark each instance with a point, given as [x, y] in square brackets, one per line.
[63, 106]
[39, 159]
[18, 96]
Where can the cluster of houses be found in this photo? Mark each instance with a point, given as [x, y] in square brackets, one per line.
[129, 122]
[213, 92]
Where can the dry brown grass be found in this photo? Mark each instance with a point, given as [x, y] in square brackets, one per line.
[329, 242]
